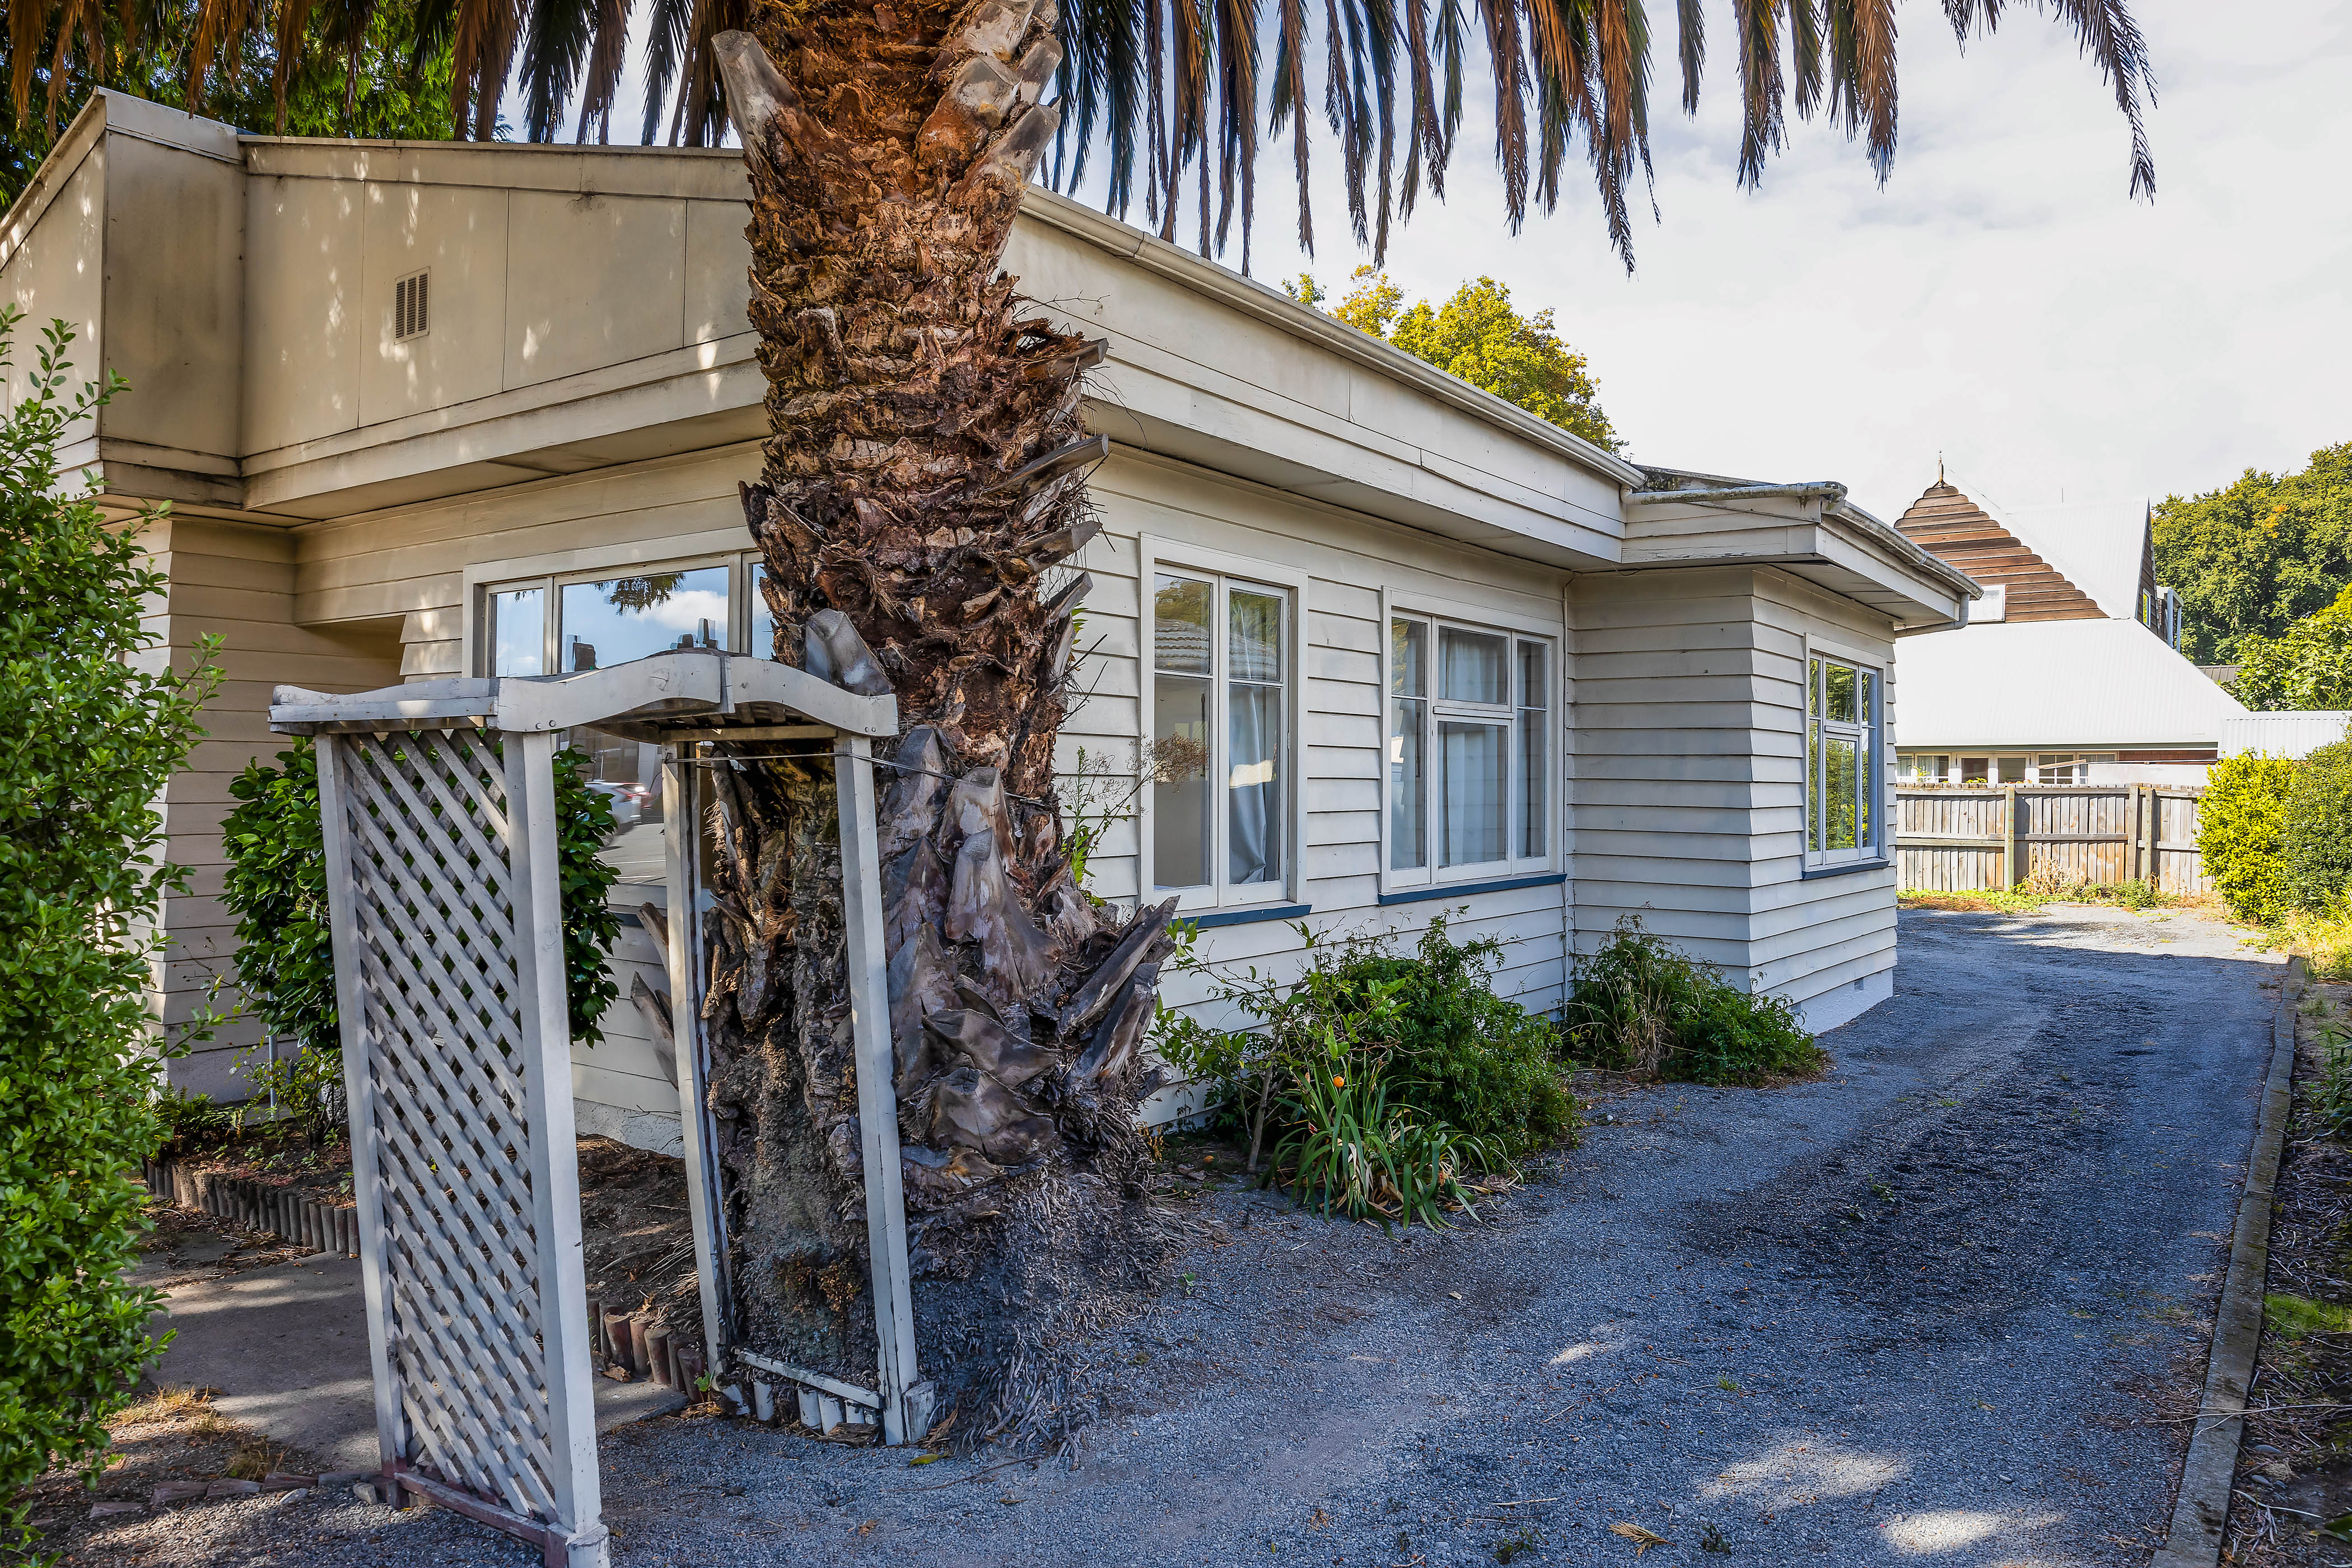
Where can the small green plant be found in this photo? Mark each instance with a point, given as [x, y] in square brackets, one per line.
[189, 1119]
[1094, 795]
[1710, 1538]
[306, 1086]
[1351, 1151]
[1641, 1006]
[2331, 1092]
[1522, 1540]
[2324, 936]
[2240, 828]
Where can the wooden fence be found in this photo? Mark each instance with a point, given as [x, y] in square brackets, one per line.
[1958, 839]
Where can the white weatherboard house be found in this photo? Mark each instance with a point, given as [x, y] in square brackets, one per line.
[425, 410]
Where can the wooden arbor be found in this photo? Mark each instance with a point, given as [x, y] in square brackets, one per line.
[438, 815]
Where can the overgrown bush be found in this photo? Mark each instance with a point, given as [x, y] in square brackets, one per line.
[94, 725]
[1461, 1054]
[2324, 936]
[277, 886]
[2316, 841]
[1384, 1081]
[1642, 1006]
[2240, 824]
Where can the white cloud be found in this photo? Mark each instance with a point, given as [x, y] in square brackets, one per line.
[2001, 300]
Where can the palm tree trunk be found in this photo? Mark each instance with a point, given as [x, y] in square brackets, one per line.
[923, 479]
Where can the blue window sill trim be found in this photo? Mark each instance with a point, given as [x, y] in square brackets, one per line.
[1246, 916]
[1851, 867]
[1461, 890]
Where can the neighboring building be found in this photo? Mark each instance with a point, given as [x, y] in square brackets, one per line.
[426, 410]
[2069, 668]
[2287, 732]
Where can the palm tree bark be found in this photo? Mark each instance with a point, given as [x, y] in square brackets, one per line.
[924, 480]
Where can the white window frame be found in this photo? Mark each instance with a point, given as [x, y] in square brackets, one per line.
[1435, 611]
[552, 573]
[1156, 554]
[1861, 856]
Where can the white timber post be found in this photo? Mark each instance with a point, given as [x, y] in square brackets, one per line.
[536, 896]
[681, 853]
[359, 1101]
[906, 1403]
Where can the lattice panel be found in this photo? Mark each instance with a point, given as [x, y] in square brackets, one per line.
[428, 835]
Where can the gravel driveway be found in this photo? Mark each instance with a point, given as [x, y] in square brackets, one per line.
[1936, 1306]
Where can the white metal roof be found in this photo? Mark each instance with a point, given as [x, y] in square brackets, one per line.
[2054, 684]
[2296, 733]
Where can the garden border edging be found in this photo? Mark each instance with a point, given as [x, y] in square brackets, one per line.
[2201, 1508]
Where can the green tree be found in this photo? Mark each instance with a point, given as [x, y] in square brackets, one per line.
[360, 68]
[2309, 667]
[93, 727]
[1480, 336]
[2252, 559]
[2241, 826]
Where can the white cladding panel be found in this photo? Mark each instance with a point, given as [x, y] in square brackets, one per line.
[1689, 788]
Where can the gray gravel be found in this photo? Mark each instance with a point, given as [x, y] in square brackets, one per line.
[1932, 1307]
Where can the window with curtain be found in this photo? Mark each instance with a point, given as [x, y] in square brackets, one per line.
[1843, 802]
[1221, 714]
[1469, 749]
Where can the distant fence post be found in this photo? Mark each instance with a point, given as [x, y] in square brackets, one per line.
[2008, 867]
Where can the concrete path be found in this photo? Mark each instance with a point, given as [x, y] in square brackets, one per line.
[1944, 1305]
[287, 1348]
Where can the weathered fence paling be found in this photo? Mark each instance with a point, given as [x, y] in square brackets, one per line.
[1960, 838]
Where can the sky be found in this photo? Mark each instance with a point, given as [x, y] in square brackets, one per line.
[2001, 303]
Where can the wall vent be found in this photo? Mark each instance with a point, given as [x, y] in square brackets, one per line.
[412, 305]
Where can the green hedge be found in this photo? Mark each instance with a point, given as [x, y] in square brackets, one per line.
[96, 722]
[277, 886]
[2316, 843]
[2240, 828]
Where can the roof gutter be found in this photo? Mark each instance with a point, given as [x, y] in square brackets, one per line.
[1831, 495]
[1819, 490]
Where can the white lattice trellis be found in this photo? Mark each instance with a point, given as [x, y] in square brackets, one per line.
[457, 1061]
[438, 814]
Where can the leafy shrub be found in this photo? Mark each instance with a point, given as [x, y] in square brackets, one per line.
[2239, 825]
[94, 725]
[1642, 1006]
[1461, 1055]
[2316, 841]
[277, 886]
[1385, 1080]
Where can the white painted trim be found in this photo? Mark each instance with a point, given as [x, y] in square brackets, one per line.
[1395, 601]
[553, 571]
[1880, 664]
[1153, 551]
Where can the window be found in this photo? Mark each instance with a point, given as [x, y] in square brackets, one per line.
[1470, 750]
[1841, 770]
[562, 624]
[1221, 713]
[1924, 768]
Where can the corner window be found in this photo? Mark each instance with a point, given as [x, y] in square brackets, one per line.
[1842, 721]
[1218, 759]
[1469, 749]
[582, 621]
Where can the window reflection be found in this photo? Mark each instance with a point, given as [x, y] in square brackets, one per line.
[519, 631]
